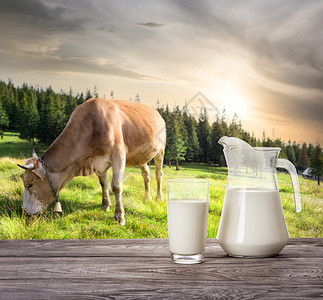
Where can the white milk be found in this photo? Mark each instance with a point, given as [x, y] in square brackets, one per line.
[252, 223]
[187, 225]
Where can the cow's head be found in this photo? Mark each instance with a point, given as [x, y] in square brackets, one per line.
[37, 193]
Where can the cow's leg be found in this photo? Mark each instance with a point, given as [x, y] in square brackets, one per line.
[146, 175]
[106, 203]
[118, 166]
[159, 158]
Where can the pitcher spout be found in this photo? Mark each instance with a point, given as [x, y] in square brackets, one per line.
[231, 143]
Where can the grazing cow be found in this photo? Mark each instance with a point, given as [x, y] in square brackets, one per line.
[100, 134]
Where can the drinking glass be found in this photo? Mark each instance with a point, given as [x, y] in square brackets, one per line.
[187, 213]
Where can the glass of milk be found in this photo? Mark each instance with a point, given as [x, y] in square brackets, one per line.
[187, 213]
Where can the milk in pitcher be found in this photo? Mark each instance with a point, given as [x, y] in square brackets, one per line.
[252, 223]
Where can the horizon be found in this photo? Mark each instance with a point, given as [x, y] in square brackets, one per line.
[260, 60]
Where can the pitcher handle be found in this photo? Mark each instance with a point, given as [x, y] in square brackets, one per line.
[286, 164]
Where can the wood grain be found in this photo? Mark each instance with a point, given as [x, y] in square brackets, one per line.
[141, 269]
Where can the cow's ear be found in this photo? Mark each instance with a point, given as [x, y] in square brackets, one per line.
[39, 174]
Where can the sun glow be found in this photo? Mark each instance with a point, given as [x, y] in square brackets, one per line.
[234, 102]
[230, 97]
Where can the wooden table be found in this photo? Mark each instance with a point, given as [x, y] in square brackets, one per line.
[142, 269]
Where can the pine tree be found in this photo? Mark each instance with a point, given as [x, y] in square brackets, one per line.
[235, 127]
[223, 123]
[310, 150]
[177, 149]
[4, 120]
[278, 143]
[10, 105]
[50, 117]
[191, 141]
[59, 119]
[303, 161]
[317, 163]
[80, 99]
[203, 134]
[88, 95]
[296, 148]
[28, 116]
[69, 107]
[290, 153]
[216, 150]
[96, 95]
[263, 141]
[166, 115]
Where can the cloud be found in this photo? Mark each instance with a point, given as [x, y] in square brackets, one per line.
[32, 8]
[35, 27]
[280, 40]
[289, 107]
[38, 15]
[285, 47]
[59, 65]
[301, 76]
[151, 25]
[59, 36]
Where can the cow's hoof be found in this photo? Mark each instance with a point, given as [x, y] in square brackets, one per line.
[147, 197]
[120, 217]
[105, 207]
[159, 198]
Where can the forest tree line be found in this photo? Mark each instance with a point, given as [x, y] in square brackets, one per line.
[42, 114]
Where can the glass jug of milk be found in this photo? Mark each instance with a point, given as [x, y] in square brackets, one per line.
[252, 222]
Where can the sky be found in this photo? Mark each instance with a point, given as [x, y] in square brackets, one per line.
[262, 60]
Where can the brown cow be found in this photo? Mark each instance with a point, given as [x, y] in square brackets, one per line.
[100, 134]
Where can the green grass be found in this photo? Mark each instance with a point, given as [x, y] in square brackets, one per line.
[12, 146]
[84, 219]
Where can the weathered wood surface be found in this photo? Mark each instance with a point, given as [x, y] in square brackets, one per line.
[141, 269]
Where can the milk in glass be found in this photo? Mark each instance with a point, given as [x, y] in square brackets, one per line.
[187, 225]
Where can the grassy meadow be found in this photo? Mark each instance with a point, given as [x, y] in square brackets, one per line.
[84, 219]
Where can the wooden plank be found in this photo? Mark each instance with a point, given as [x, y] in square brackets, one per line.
[151, 289]
[141, 269]
[117, 247]
[81, 248]
[159, 268]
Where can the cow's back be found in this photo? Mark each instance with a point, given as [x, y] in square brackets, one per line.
[117, 123]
